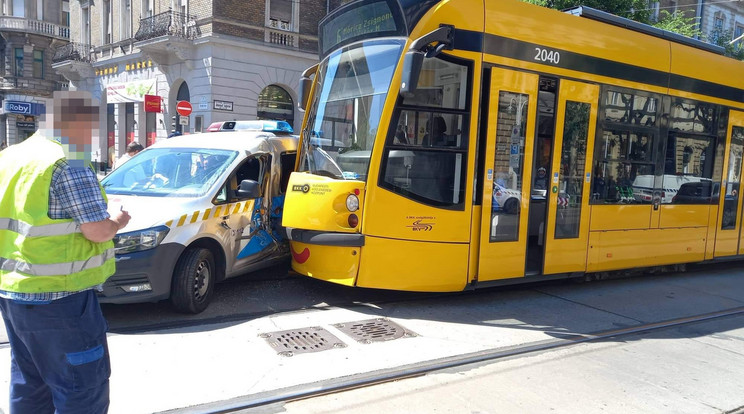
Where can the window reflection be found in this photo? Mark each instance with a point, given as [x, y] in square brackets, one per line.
[692, 117]
[507, 168]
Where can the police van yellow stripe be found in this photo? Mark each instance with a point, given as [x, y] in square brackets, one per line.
[205, 214]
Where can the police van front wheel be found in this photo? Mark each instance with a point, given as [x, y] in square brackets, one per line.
[193, 280]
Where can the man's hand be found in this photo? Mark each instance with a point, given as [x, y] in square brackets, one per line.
[105, 230]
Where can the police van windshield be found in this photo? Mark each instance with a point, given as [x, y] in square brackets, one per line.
[169, 172]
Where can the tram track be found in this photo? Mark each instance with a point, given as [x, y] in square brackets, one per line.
[264, 400]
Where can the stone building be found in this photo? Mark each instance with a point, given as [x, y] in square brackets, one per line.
[30, 31]
[715, 17]
[231, 59]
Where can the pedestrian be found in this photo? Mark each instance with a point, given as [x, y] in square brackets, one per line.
[56, 250]
[132, 149]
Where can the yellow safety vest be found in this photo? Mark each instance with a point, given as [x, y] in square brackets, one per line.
[39, 254]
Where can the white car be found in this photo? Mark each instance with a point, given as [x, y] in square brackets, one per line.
[505, 199]
[204, 207]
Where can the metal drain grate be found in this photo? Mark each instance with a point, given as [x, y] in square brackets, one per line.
[374, 330]
[301, 341]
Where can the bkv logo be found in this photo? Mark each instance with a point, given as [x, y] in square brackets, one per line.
[419, 226]
[305, 188]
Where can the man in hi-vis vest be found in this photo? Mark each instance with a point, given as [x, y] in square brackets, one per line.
[55, 249]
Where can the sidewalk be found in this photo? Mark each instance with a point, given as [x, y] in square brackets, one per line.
[161, 371]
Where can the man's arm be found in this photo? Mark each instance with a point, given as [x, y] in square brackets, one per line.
[79, 197]
[104, 230]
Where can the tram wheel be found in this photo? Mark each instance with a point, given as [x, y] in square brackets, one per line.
[193, 280]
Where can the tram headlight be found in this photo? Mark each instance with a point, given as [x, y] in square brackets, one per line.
[136, 241]
[352, 203]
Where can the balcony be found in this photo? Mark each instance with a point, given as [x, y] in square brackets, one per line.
[73, 61]
[74, 51]
[281, 38]
[170, 23]
[21, 24]
[167, 38]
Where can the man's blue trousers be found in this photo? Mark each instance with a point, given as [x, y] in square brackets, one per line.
[59, 355]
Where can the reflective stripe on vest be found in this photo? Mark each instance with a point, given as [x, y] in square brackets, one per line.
[27, 230]
[53, 269]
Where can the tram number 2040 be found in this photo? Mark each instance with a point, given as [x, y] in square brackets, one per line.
[546, 55]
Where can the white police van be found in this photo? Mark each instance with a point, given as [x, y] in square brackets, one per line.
[204, 207]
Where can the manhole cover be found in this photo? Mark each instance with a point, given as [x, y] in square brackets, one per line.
[303, 340]
[374, 330]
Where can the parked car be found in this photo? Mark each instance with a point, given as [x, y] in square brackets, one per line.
[202, 211]
[702, 192]
[275, 127]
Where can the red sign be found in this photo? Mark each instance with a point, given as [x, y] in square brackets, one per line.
[152, 103]
[183, 108]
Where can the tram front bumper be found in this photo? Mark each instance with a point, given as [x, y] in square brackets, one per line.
[333, 257]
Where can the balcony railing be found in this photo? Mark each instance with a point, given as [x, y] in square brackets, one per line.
[281, 38]
[170, 23]
[22, 24]
[74, 51]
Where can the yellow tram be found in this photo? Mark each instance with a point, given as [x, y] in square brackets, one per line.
[464, 143]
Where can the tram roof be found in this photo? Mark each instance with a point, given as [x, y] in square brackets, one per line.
[608, 18]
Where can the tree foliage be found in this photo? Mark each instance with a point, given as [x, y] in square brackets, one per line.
[723, 38]
[679, 23]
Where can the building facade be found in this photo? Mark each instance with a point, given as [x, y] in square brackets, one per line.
[230, 59]
[715, 18]
[30, 31]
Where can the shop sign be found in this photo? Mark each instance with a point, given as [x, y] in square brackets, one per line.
[223, 105]
[26, 125]
[134, 91]
[152, 103]
[18, 107]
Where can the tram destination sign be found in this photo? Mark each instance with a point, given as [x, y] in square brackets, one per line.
[373, 19]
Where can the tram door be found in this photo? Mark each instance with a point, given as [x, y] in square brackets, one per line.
[508, 166]
[729, 226]
[567, 226]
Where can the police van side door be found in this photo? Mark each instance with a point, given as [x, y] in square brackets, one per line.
[249, 241]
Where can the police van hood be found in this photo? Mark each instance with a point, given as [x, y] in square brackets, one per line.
[147, 212]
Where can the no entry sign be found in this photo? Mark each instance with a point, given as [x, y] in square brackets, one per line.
[184, 108]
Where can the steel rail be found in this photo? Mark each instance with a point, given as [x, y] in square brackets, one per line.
[414, 370]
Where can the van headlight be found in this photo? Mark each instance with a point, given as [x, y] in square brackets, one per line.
[136, 241]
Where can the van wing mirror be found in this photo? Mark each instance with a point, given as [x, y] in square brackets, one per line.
[306, 83]
[248, 190]
[426, 46]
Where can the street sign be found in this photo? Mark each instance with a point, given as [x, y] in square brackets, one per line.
[184, 120]
[184, 108]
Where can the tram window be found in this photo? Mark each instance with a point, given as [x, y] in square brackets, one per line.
[624, 172]
[733, 178]
[632, 109]
[689, 159]
[428, 129]
[414, 164]
[507, 168]
[573, 159]
[441, 84]
[688, 116]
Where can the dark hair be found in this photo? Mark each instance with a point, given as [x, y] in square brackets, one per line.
[134, 147]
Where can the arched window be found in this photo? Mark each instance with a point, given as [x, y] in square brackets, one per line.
[275, 103]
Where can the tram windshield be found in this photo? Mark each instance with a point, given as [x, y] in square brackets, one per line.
[343, 119]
